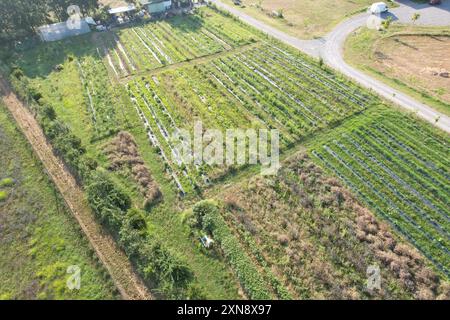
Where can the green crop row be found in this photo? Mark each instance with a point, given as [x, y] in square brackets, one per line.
[392, 171]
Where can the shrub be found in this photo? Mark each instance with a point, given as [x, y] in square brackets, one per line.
[3, 195]
[165, 268]
[107, 199]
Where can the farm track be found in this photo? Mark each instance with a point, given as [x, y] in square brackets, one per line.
[129, 284]
[195, 61]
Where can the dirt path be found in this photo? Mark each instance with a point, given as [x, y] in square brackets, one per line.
[124, 277]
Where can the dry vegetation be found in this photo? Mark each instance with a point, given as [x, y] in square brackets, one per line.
[302, 18]
[320, 241]
[123, 153]
[421, 61]
[412, 59]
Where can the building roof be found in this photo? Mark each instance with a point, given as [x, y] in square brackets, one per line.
[129, 8]
[146, 2]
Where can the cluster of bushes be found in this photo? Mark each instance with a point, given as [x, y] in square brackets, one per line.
[206, 216]
[112, 206]
[158, 265]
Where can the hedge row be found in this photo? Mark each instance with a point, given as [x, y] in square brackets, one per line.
[111, 205]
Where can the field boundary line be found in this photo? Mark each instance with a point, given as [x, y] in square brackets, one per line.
[128, 283]
[198, 60]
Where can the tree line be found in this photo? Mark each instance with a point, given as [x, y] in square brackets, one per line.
[20, 18]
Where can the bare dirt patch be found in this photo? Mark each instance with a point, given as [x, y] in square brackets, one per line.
[420, 61]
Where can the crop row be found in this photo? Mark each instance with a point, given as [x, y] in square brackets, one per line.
[244, 90]
[160, 43]
[99, 97]
[392, 171]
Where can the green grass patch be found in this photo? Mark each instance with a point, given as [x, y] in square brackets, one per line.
[6, 182]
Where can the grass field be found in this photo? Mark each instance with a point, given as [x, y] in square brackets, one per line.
[154, 79]
[305, 19]
[410, 58]
[39, 237]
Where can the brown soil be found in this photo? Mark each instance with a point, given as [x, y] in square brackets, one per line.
[122, 273]
[419, 61]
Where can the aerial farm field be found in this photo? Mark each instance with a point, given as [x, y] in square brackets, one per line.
[110, 102]
[39, 237]
[410, 58]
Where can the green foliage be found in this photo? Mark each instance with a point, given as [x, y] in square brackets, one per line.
[43, 237]
[386, 23]
[20, 18]
[107, 199]
[206, 215]
[165, 268]
[3, 195]
[401, 172]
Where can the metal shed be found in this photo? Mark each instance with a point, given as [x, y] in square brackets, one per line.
[62, 30]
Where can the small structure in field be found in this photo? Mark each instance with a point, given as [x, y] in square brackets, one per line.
[62, 30]
[206, 241]
[156, 6]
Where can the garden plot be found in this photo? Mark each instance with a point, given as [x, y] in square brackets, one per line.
[160, 43]
[259, 87]
[402, 172]
[100, 104]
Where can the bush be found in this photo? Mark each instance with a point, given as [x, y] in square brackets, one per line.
[107, 199]
[7, 182]
[165, 268]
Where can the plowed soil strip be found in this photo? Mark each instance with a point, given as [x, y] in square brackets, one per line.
[122, 273]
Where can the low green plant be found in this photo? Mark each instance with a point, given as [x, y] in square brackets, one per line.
[3, 195]
[7, 182]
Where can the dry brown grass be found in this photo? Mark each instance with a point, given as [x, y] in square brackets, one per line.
[122, 153]
[314, 233]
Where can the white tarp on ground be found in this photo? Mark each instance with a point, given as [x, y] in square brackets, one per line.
[61, 30]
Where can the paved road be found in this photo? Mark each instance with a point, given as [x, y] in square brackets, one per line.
[330, 48]
[311, 47]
